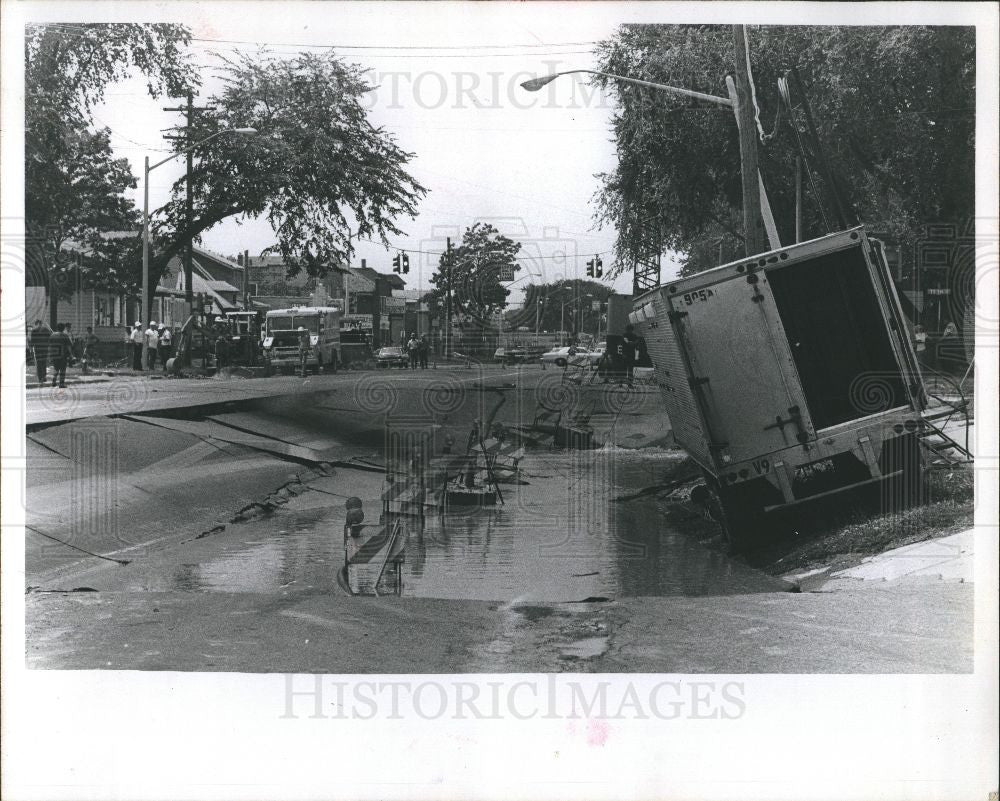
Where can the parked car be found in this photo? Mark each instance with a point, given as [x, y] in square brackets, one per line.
[558, 356]
[510, 355]
[596, 354]
[391, 357]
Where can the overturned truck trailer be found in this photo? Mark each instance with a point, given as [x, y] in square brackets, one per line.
[789, 376]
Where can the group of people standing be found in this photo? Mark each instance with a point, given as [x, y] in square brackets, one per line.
[60, 347]
[159, 341]
[417, 349]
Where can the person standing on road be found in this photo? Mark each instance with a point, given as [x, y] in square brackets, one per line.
[152, 338]
[422, 351]
[59, 347]
[90, 342]
[221, 351]
[136, 339]
[39, 340]
[413, 348]
[165, 345]
[74, 345]
[630, 350]
[919, 342]
[303, 350]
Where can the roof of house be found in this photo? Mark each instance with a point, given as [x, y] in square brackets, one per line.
[276, 302]
[266, 261]
[395, 281]
[409, 295]
[201, 253]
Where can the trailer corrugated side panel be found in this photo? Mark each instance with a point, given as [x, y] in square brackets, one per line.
[671, 374]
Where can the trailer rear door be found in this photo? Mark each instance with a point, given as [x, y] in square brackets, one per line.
[742, 369]
[839, 336]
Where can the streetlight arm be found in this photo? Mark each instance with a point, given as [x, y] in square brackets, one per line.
[146, 292]
[534, 84]
[186, 150]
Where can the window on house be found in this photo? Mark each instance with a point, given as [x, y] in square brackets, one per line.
[107, 310]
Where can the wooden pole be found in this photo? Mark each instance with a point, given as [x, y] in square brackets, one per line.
[798, 198]
[739, 94]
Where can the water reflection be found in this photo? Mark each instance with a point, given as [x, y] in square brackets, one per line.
[560, 537]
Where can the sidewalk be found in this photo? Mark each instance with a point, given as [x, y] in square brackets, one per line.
[75, 375]
[944, 559]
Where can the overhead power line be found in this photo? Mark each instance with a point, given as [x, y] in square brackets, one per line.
[76, 28]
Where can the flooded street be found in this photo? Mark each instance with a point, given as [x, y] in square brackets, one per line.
[559, 537]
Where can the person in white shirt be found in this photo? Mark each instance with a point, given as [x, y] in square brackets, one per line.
[152, 337]
[165, 345]
[135, 337]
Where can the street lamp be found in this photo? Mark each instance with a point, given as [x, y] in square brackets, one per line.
[534, 84]
[145, 219]
[562, 310]
[755, 202]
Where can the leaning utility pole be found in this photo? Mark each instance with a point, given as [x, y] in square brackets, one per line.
[739, 94]
[189, 110]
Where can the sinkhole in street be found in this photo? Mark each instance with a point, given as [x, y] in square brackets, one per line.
[560, 536]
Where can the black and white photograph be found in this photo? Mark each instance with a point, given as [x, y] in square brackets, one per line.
[599, 397]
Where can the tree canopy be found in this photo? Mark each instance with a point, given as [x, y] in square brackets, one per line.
[895, 113]
[317, 170]
[74, 186]
[569, 304]
[478, 265]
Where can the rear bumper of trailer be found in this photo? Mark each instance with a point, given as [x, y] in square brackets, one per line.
[848, 456]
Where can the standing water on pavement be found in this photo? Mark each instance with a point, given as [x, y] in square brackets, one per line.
[559, 537]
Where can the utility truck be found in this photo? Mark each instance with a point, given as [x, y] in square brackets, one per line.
[280, 346]
[789, 376]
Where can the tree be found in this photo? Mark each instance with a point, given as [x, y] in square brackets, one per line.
[318, 170]
[566, 304]
[74, 187]
[895, 109]
[478, 264]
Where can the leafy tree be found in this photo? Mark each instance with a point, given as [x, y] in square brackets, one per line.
[74, 187]
[477, 267]
[556, 305]
[318, 170]
[895, 109]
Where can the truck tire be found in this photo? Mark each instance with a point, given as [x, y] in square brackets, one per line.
[561, 362]
[742, 523]
[738, 513]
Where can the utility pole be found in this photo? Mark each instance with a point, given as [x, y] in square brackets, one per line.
[798, 199]
[739, 94]
[246, 279]
[447, 320]
[189, 111]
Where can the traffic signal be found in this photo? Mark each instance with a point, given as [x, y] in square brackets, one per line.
[590, 268]
[598, 266]
[406, 262]
[395, 264]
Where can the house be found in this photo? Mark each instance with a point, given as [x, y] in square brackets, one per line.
[109, 313]
[268, 275]
[416, 313]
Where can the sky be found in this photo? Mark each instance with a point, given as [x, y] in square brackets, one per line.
[448, 92]
[447, 78]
